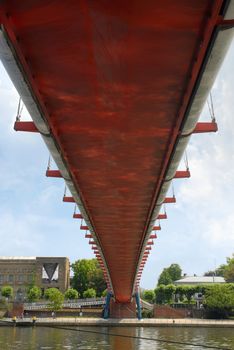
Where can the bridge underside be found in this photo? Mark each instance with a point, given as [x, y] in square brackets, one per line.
[112, 81]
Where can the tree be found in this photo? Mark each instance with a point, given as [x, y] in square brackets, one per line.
[71, 294]
[170, 274]
[89, 293]
[34, 293]
[217, 272]
[164, 278]
[180, 293]
[189, 291]
[148, 295]
[175, 272]
[88, 274]
[97, 280]
[55, 297]
[169, 292]
[220, 270]
[224, 270]
[104, 293]
[7, 291]
[160, 294]
[229, 270]
[219, 300]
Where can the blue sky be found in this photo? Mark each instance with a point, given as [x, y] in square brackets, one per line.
[199, 232]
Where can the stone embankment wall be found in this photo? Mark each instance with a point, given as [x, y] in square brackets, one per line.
[165, 311]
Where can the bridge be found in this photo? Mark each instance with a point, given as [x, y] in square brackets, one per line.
[115, 89]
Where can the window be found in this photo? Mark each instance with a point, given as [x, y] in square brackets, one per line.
[1, 278]
[10, 278]
[30, 278]
[21, 278]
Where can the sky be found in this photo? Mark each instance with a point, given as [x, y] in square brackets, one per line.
[199, 232]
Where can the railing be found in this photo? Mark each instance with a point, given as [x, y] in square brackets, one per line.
[74, 304]
[146, 305]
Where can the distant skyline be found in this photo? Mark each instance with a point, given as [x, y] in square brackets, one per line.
[199, 231]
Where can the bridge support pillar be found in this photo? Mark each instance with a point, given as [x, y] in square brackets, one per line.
[107, 306]
[138, 303]
[122, 310]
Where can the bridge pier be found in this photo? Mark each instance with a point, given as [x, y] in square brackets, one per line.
[122, 310]
[115, 309]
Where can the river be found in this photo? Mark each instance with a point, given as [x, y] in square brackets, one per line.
[50, 338]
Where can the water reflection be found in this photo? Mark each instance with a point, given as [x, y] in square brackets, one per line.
[49, 338]
[123, 343]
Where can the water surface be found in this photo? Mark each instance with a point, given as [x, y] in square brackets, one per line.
[49, 338]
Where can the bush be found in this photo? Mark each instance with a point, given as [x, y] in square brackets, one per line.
[104, 293]
[148, 295]
[164, 293]
[147, 314]
[219, 300]
[71, 294]
[89, 293]
[34, 294]
[7, 291]
[55, 297]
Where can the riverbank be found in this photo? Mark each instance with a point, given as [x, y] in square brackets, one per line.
[152, 322]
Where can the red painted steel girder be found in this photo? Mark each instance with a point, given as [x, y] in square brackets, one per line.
[53, 173]
[77, 216]
[162, 216]
[156, 228]
[68, 199]
[182, 174]
[25, 126]
[203, 127]
[114, 102]
[169, 200]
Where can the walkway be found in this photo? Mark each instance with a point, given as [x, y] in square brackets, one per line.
[152, 322]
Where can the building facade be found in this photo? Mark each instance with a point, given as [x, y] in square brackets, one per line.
[44, 272]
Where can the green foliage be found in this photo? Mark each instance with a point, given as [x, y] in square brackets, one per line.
[7, 291]
[218, 272]
[89, 293]
[186, 291]
[164, 278]
[87, 274]
[170, 274]
[147, 314]
[219, 299]
[224, 270]
[71, 294]
[164, 294]
[55, 297]
[229, 270]
[148, 295]
[34, 293]
[175, 272]
[104, 293]
[160, 294]
[169, 292]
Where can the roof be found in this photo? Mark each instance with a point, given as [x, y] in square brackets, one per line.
[17, 258]
[202, 279]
